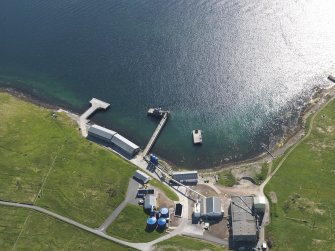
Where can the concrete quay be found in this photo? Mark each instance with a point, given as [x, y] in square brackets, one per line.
[96, 104]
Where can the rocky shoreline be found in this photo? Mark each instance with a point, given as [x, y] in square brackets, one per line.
[289, 139]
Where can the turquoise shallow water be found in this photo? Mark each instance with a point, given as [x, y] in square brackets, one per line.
[238, 70]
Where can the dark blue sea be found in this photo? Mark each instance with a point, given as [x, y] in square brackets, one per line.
[239, 70]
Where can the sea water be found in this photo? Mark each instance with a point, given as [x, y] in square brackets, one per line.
[241, 71]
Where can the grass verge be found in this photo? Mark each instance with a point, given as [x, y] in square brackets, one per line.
[168, 192]
[304, 185]
[226, 178]
[41, 232]
[131, 225]
[261, 176]
[187, 244]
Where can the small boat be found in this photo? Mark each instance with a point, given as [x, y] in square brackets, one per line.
[197, 136]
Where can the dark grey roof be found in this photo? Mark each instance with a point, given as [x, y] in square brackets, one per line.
[185, 176]
[243, 222]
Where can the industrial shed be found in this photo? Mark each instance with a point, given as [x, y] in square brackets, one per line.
[112, 137]
[186, 177]
[149, 201]
[141, 177]
[101, 133]
[210, 208]
[243, 221]
[127, 146]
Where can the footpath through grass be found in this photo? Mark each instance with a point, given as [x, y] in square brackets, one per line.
[303, 217]
[184, 243]
[80, 180]
[131, 225]
[42, 232]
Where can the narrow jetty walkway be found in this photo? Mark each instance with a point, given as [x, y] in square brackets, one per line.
[95, 105]
[155, 135]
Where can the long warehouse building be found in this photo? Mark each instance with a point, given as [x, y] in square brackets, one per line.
[186, 177]
[244, 226]
[114, 138]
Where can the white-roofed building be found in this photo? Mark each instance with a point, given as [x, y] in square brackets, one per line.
[149, 201]
[259, 204]
[125, 145]
[210, 208]
[101, 133]
[141, 177]
[113, 137]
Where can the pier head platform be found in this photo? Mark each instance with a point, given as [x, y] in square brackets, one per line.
[96, 104]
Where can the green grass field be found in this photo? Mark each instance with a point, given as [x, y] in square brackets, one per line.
[37, 150]
[303, 217]
[45, 161]
[167, 191]
[41, 232]
[226, 178]
[184, 243]
[131, 225]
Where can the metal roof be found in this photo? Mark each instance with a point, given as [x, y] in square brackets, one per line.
[211, 206]
[243, 222]
[186, 173]
[142, 176]
[126, 145]
[102, 132]
[187, 176]
[149, 201]
[259, 200]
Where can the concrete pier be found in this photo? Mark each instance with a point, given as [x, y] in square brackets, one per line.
[96, 104]
[156, 133]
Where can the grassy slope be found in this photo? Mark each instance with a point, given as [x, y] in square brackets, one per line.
[131, 225]
[32, 143]
[186, 243]
[167, 191]
[44, 233]
[303, 217]
[226, 178]
[11, 223]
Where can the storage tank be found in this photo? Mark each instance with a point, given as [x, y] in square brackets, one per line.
[151, 222]
[165, 212]
[161, 223]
